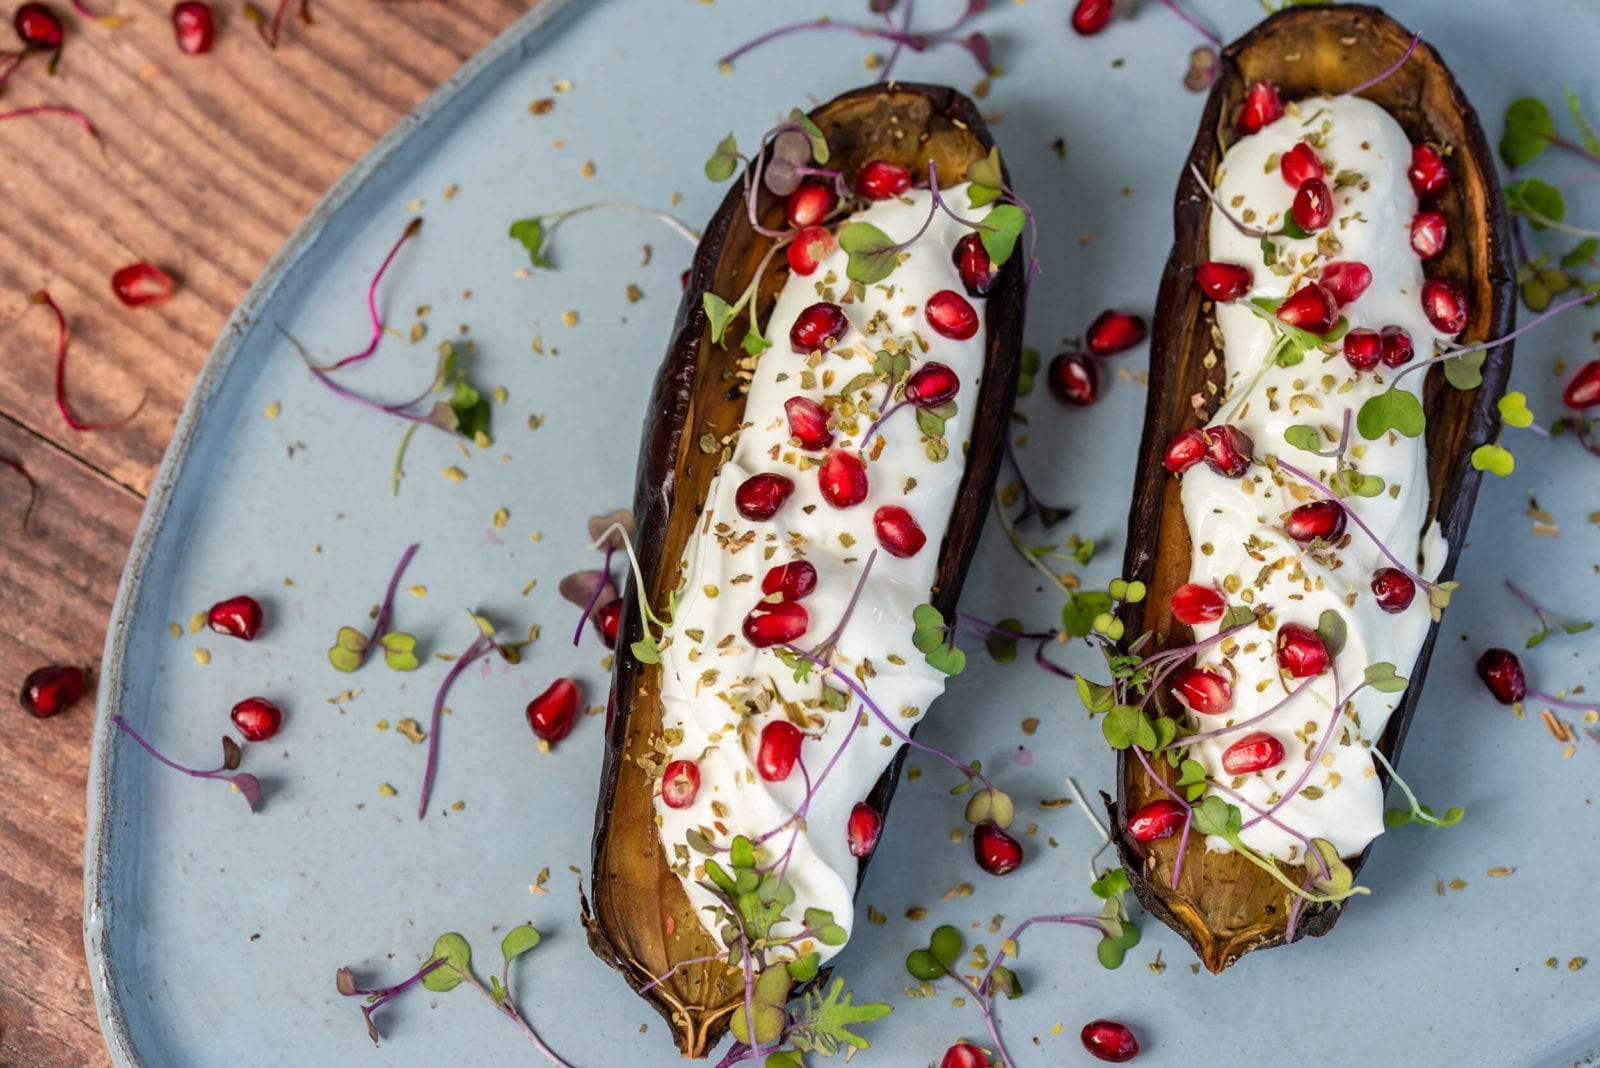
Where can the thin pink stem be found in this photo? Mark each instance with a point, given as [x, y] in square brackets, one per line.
[1497, 342]
[1216, 202]
[479, 647]
[1384, 549]
[1370, 82]
[411, 231]
[1339, 705]
[380, 626]
[52, 109]
[1193, 22]
[1252, 721]
[1560, 703]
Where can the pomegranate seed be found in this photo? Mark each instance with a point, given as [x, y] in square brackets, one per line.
[881, 180]
[1300, 652]
[1262, 105]
[760, 496]
[808, 423]
[683, 279]
[1311, 308]
[1193, 603]
[608, 620]
[237, 616]
[931, 385]
[1317, 519]
[965, 1054]
[1107, 1039]
[1300, 165]
[52, 689]
[842, 477]
[951, 315]
[141, 283]
[1396, 346]
[809, 247]
[1223, 282]
[1229, 451]
[818, 328]
[38, 27]
[1161, 818]
[1346, 280]
[1252, 753]
[1393, 589]
[680, 782]
[1427, 172]
[773, 624]
[1115, 331]
[897, 531]
[1313, 206]
[1445, 305]
[1074, 379]
[257, 718]
[779, 750]
[195, 27]
[811, 202]
[862, 830]
[792, 580]
[1089, 17]
[995, 851]
[1363, 348]
[978, 272]
[1202, 691]
[552, 713]
[1429, 231]
[1502, 673]
[1184, 449]
[1584, 389]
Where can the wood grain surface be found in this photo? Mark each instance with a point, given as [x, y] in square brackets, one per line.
[204, 166]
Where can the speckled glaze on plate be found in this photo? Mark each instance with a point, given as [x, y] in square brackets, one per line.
[213, 935]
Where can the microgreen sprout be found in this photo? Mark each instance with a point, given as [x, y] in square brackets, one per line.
[481, 646]
[593, 589]
[1216, 202]
[902, 37]
[1529, 131]
[33, 488]
[53, 109]
[351, 647]
[1548, 622]
[62, 336]
[1388, 72]
[647, 650]
[412, 229]
[536, 233]
[1416, 812]
[245, 784]
[1032, 504]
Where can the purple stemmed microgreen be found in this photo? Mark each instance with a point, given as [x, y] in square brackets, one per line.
[1216, 202]
[537, 232]
[412, 229]
[825, 646]
[481, 646]
[351, 647]
[901, 37]
[593, 589]
[245, 784]
[1032, 505]
[53, 109]
[1001, 639]
[1388, 72]
[33, 488]
[1528, 131]
[1548, 622]
[647, 650]
[63, 335]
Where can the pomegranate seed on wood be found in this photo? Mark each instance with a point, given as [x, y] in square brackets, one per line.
[951, 315]
[142, 283]
[995, 851]
[1115, 331]
[779, 750]
[1161, 818]
[769, 624]
[1073, 379]
[38, 26]
[49, 690]
[680, 783]
[257, 718]
[195, 26]
[1501, 671]
[1252, 753]
[552, 713]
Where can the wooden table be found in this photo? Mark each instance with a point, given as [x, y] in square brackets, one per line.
[204, 166]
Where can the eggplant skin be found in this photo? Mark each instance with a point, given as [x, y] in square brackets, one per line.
[1224, 907]
[637, 916]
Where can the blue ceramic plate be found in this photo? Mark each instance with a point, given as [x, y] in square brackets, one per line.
[213, 934]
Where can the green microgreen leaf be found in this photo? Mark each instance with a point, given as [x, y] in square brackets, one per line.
[533, 237]
[724, 161]
[1031, 361]
[873, 254]
[1332, 630]
[1003, 647]
[644, 650]
[1095, 697]
[518, 940]
[1081, 609]
[1393, 409]
[946, 944]
[923, 965]
[1192, 779]
[992, 805]
[1465, 371]
[399, 651]
[804, 968]
[985, 175]
[1005, 980]
[1113, 884]
[1494, 459]
[999, 231]
[819, 144]
[1538, 200]
[768, 997]
[1514, 409]
[1582, 252]
[1302, 436]
[720, 313]
[457, 956]
[1381, 677]
[825, 1020]
[1292, 228]
[1527, 133]
[1586, 133]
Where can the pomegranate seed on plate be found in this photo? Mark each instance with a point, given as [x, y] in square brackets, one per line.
[257, 718]
[1115, 331]
[1502, 673]
[239, 617]
[965, 1054]
[1584, 389]
[1109, 1040]
[1089, 17]
[1073, 379]
[552, 713]
[995, 851]
[608, 620]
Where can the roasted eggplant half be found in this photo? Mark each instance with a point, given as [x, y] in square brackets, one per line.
[639, 915]
[1223, 904]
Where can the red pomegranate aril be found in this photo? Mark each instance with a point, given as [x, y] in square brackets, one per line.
[1313, 206]
[1262, 105]
[1184, 449]
[1089, 17]
[1346, 280]
[1429, 231]
[760, 496]
[769, 624]
[818, 328]
[1397, 350]
[808, 423]
[680, 783]
[195, 27]
[1315, 520]
[1161, 818]
[1202, 691]
[49, 690]
[995, 851]
[1311, 308]
[862, 830]
[808, 248]
[1223, 282]
[1109, 1041]
[779, 750]
[978, 272]
[1115, 331]
[1445, 305]
[608, 621]
[880, 180]
[951, 315]
[1299, 165]
[812, 202]
[1363, 348]
[141, 283]
[793, 581]
[1193, 603]
[931, 385]
[1073, 379]
[1584, 389]
[1252, 753]
[898, 531]
[38, 26]
[257, 718]
[1301, 652]
[965, 1054]
[842, 477]
[237, 616]
[1501, 671]
[1427, 172]
[552, 713]
[1393, 589]
[1229, 450]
